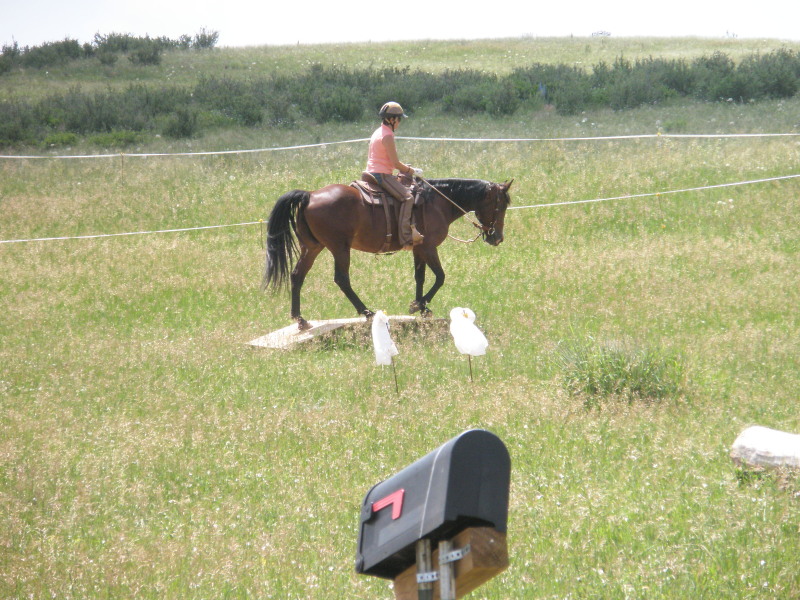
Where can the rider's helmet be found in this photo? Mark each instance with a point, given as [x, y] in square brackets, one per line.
[391, 109]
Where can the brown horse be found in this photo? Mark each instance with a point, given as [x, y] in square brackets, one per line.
[335, 217]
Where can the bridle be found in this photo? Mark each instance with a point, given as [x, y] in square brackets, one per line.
[490, 229]
[485, 230]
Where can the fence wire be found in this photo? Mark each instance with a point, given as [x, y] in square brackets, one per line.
[362, 140]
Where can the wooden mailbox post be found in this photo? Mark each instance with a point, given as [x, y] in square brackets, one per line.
[455, 497]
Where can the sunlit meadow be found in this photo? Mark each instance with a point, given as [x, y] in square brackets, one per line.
[146, 451]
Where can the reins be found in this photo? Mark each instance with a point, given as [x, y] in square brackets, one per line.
[483, 229]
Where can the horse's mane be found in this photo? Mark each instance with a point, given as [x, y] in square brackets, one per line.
[462, 191]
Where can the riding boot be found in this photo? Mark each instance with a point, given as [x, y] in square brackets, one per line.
[408, 234]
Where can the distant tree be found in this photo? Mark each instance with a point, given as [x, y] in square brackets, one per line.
[146, 54]
[205, 39]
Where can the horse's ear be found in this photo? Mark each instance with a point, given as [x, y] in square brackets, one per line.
[507, 184]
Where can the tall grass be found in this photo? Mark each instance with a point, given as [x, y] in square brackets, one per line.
[146, 451]
[599, 370]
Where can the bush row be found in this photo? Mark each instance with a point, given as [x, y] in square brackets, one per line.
[107, 48]
[626, 84]
[326, 94]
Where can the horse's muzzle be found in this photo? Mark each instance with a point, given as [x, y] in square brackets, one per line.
[494, 238]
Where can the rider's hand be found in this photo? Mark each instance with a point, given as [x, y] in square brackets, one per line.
[417, 172]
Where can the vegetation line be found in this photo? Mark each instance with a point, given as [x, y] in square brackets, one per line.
[320, 94]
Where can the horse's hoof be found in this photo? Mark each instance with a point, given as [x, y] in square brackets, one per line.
[302, 324]
[368, 314]
[426, 313]
[416, 306]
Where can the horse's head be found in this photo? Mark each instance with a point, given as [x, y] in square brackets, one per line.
[491, 212]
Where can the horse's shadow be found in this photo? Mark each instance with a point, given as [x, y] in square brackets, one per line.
[427, 332]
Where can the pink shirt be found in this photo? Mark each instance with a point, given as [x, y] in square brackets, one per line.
[378, 159]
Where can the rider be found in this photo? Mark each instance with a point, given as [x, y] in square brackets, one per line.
[381, 163]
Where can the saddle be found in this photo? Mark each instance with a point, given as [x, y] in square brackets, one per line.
[373, 194]
[371, 190]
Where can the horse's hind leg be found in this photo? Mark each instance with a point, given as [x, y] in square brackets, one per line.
[307, 257]
[341, 276]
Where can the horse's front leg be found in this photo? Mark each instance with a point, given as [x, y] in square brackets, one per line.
[418, 304]
[431, 258]
[438, 272]
[341, 276]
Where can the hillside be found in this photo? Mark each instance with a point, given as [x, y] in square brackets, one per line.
[274, 91]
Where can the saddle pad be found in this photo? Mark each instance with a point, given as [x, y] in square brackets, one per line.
[370, 193]
[373, 194]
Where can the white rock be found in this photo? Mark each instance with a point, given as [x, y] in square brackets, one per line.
[765, 447]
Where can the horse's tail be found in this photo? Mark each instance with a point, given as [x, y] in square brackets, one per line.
[281, 233]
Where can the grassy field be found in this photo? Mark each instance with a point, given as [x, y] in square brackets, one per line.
[146, 451]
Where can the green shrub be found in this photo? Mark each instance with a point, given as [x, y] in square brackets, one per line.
[596, 371]
[141, 50]
[116, 139]
[6, 64]
[205, 39]
[51, 53]
[132, 109]
[712, 76]
[9, 56]
[335, 93]
[182, 125]
[337, 104]
[410, 89]
[501, 100]
[123, 43]
[530, 82]
[467, 99]
[18, 123]
[146, 54]
[63, 138]
[676, 75]
[114, 42]
[570, 90]
[248, 111]
[281, 111]
[774, 75]
[241, 101]
[107, 58]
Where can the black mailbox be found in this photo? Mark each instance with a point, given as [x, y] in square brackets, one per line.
[464, 483]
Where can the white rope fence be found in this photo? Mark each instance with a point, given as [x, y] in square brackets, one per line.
[178, 154]
[417, 139]
[127, 233]
[608, 137]
[656, 194]
[361, 140]
[530, 206]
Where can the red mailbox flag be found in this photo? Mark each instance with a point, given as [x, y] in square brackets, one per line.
[395, 500]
